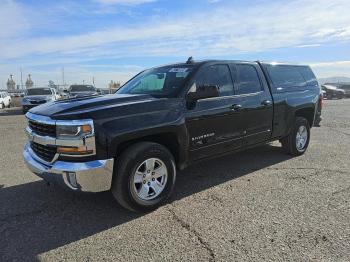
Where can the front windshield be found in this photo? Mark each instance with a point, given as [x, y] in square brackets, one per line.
[158, 82]
[38, 91]
[81, 88]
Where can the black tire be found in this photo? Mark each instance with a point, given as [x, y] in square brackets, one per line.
[289, 142]
[125, 168]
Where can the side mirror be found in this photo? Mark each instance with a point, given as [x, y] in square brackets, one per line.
[65, 91]
[204, 91]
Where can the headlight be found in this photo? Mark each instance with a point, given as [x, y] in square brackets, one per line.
[76, 130]
[73, 131]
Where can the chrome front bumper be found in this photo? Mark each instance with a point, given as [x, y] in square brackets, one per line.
[93, 176]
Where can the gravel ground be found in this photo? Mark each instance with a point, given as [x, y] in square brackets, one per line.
[256, 205]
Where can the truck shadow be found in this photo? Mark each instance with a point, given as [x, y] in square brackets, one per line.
[16, 111]
[35, 218]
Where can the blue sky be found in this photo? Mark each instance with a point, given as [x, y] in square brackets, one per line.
[114, 39]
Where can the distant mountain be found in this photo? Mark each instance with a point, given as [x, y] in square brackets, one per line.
[335, 79]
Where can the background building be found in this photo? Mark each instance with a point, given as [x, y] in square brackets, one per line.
[11, 84]
[113, 86]
[29, 82]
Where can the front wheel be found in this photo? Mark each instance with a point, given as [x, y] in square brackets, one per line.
[144, 177]
[297, 141]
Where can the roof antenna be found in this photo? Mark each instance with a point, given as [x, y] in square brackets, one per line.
[190, 60]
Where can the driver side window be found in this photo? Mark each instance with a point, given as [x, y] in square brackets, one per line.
[216, 75]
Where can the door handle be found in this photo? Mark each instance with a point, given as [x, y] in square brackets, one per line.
[236, 107]
[266, 103]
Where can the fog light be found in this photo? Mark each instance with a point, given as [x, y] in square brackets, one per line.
[72, 179]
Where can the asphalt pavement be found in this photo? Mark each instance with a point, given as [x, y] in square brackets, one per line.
[256, 205]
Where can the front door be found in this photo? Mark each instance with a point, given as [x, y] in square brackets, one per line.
[214, 123]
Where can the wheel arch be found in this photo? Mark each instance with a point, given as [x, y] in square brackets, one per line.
[169, 140]
[308, 113]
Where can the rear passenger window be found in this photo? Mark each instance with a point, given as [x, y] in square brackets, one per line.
[247, 80]
[216, 75]
[308, 75]
[284, 76]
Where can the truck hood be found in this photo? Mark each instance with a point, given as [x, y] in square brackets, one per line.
[88, 105]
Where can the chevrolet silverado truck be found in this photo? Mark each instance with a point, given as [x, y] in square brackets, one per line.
[165, 118]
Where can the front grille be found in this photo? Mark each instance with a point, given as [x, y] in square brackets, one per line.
[46, 153]
[42, 129]
[37, 102]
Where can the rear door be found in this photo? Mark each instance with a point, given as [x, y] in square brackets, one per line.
[213, 124]
[256, 103]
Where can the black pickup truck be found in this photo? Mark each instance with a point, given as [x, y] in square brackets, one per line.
[165, 118]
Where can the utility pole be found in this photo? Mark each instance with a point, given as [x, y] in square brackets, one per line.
[63, 81]
[21, 78]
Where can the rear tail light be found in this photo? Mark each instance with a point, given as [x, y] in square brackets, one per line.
[321, 101]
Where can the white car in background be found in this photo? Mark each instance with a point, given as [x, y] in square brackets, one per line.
[5, 100]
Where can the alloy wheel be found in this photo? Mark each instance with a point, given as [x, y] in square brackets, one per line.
[150, 179]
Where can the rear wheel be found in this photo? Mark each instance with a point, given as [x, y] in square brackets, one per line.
[297, 141]
[144, 177]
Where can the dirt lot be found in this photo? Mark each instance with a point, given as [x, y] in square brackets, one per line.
[256, 205]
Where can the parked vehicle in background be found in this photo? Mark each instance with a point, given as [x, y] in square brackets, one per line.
[166, 118]
[76, 91]
[5, 100]
[346, 88]
[37, 96]
[332, 92]
[106, 91]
